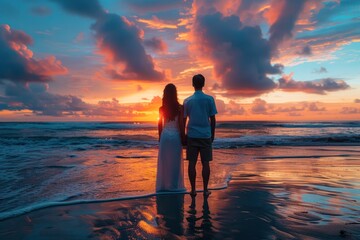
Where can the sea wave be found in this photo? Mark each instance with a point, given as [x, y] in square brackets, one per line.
[270, 140]
[261, 124]
[66, 202]
[83, 143]
[68, 126]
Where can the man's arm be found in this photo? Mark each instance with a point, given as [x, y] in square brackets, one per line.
[212, 124]
[184, 115]
[185, 133]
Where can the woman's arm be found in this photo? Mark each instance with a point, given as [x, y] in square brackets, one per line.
[182, 125]
[160, 122]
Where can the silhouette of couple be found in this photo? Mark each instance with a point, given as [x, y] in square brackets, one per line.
[200, 109]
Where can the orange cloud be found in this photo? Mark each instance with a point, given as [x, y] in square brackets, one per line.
[48, 66]
[156, 23]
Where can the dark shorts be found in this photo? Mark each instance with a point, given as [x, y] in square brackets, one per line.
[199, 145]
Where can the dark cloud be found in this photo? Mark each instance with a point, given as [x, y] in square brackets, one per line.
[321, 70]
[153, 5]
[41, 10]
[87, 8]
[240, 55]
[156, 44]
[17, 63]
[321, 86]
[350, 110]
[282, 28]
[357, 100]
[24, 78]
[36, 98]
[119, 40]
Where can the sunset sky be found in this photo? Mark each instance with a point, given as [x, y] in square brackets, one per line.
[109, 60]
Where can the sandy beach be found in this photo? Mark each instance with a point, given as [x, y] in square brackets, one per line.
[282, 193]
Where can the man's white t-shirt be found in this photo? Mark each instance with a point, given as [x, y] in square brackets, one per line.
[199, 108]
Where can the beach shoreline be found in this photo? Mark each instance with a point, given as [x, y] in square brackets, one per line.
[283, 193]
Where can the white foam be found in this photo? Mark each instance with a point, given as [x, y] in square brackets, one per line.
[38, 206]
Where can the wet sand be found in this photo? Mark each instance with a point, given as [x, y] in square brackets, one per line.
[283, 193]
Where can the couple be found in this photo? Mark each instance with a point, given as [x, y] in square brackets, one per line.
[200, 109]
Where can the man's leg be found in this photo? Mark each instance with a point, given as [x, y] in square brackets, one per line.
[192, 154]
[205, 175]
[192, 176]
[206, 157]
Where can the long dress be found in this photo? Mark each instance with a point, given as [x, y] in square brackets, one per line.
[170, 169]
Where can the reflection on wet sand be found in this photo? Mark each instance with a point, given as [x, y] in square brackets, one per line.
[170, 212]
[281, 194]
[199, 225]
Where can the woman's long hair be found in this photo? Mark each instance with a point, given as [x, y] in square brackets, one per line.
[170, 103]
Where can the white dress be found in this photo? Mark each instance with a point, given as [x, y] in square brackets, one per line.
[170, 169]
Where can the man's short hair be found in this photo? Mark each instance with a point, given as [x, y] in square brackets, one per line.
[198, 81]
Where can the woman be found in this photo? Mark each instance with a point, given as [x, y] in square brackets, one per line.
[170, 170]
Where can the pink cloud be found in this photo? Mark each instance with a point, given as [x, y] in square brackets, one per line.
[350, 110]
[19, 63]
[259, 106]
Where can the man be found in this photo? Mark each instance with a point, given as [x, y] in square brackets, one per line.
[201, 110]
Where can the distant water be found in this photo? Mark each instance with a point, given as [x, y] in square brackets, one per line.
[84, 136]
[46, 164]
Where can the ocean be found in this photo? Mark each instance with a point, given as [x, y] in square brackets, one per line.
[45, 164]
